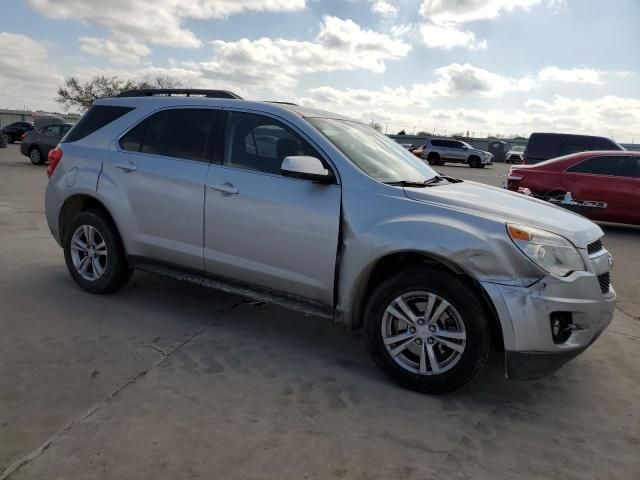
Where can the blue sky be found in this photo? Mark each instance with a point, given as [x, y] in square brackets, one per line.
[491, 66]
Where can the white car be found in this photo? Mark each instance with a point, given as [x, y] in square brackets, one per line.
[515, 154]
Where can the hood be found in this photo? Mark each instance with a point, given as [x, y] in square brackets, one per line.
[506, 206]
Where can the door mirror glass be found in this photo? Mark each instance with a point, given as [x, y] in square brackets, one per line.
[303, 166]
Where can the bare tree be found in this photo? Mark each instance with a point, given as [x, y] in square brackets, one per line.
[376, 125]
[74, 93]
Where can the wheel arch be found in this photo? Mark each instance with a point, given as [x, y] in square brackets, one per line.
[396, 262]
[82, 202]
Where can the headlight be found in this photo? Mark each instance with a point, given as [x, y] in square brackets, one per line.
[551, 252]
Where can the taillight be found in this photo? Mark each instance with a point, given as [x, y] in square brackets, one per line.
[55, 156]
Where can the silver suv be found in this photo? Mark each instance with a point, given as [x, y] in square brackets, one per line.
[323, 214]
[438, 152]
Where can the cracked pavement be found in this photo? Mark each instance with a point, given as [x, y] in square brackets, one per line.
[167, 380]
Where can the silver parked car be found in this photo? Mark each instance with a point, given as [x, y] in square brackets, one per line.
[439, 151]
[323, 214]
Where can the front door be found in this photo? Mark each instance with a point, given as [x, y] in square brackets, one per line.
[261, 227]
[159, 172]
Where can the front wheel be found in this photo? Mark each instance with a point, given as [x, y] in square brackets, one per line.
[427, 331]
[94, 253]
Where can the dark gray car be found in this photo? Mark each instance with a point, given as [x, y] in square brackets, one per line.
[37, 143]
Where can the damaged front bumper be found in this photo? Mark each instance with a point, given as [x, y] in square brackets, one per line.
[550, 322]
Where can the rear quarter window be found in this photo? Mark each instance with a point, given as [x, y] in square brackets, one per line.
[96, 117]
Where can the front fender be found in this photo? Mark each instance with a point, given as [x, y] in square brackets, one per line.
[477, 246]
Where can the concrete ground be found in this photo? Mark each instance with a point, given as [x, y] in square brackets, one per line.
[165, 380]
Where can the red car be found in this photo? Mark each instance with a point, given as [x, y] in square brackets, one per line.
[602, 185]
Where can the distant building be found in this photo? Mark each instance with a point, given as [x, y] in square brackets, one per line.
[10, 116]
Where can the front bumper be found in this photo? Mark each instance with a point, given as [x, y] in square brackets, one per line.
[525, 316]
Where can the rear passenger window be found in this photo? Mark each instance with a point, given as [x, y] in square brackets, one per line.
[96, 117]
[256, 142]
[610, 166]
[180, 133]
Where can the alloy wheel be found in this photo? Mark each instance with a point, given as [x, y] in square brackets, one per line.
[423, 333]
[89, 252]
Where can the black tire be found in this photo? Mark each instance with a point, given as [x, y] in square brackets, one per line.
[35, 155]
[433, 159]
[462, 297]
[481, 165]
[11, 139]
[474, 161]
[117, 270]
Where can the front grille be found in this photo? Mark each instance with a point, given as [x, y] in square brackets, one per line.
[604, 280]
[594, 247]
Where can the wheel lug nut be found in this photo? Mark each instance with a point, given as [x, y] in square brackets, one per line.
[430, 341]
[412, 330]
[432, 328]
[420, 322]
[418, 341]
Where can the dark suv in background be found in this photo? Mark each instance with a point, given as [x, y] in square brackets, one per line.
[14, 131]
[544, 146]
[38, 143]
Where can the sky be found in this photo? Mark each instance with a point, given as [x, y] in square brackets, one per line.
[445, 66]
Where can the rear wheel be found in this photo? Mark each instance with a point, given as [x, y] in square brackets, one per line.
[11, 139]
[35, 155]
[94, 253]
[427, 331]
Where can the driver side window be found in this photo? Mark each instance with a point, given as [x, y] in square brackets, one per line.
[260, 143]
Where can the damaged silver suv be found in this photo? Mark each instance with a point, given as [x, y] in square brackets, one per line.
[323, 214]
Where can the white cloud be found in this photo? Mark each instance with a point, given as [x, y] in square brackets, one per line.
[341, 45]
[445, 18]
[448, 36]
[462, 11]
[597, 117]
[31, 82]
[120, 50]
[385, 9]
[157, 21]
[572, 75]
[457, 79]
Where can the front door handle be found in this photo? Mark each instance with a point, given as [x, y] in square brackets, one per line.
[127, 167]
[226, 188]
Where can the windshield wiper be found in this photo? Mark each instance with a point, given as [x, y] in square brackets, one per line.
[426, 183]
[406, 183]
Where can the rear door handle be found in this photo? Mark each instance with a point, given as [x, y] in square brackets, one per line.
[226, 188]
[127, 167]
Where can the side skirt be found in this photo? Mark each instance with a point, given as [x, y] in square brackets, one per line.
[291, 302]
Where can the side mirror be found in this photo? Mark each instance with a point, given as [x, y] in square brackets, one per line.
[308, 168]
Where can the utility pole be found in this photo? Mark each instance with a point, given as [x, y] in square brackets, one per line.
[414, 131]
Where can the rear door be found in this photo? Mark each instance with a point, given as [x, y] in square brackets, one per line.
[160, 170]
[608, 179]
[261, 227]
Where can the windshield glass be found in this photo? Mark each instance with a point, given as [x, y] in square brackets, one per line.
[372, 152]
[517, 149]
[466, 145]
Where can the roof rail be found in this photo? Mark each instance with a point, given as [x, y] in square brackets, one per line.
[168, 92]
[283, 103]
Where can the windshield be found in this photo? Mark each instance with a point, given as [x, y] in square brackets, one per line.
[372, 152]
[466, 145]
[517, 149]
